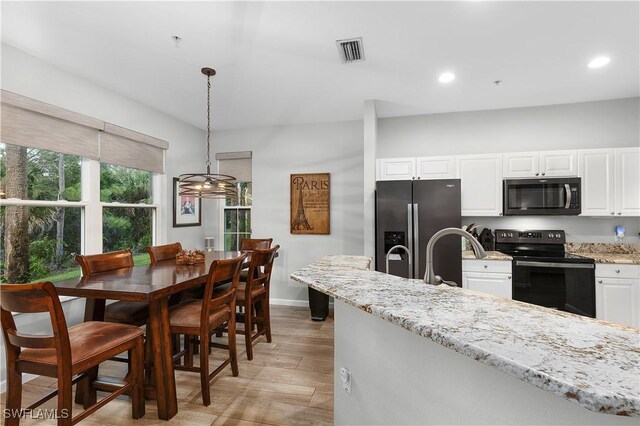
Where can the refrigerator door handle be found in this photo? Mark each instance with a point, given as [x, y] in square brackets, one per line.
[410, 235]
[416, 247]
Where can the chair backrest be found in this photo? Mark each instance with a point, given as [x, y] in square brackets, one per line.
[221, 271]
[164, 252]
[103, 262]
[255, 243]
[260, 267]
[33, 298]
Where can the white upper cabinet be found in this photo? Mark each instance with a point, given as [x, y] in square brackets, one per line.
[595, 167]
[559, 163]
[627, 181]
[436, 167]
[520, 164]
[481, 177]
[610, 181]
[396, 168]
[543, 163]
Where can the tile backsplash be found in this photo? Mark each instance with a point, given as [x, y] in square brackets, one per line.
[578, 229]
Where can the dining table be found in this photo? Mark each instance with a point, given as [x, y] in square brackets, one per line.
[152, 284]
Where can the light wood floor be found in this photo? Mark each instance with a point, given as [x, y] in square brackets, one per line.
[289, 382]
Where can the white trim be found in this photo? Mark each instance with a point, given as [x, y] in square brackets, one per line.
[127, 205]
[289, 302]
[42, 203]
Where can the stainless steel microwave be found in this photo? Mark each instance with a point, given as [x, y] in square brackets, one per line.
[553, 196]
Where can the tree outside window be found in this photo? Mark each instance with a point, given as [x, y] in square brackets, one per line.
[237, 217]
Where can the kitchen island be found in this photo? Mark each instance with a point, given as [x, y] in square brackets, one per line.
[412, 349]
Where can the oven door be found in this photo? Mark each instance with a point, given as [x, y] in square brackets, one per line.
[541, 196]
[568, 287]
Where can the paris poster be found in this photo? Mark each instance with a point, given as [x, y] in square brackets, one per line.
[310, 203]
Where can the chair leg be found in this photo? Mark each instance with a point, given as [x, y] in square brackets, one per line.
[204, 369]
[231, 340]
[266, 318]
[248, 331]
[89, 393]
[188, 356]
[65, 400]
[148, 357]
[14, 397]
[137, 377]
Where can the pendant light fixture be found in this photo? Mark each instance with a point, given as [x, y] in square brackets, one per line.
[207, 185]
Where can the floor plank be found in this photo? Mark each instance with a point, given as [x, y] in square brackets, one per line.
[289, 382]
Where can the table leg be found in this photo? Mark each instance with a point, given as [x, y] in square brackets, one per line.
[93, 311]
[162, 358]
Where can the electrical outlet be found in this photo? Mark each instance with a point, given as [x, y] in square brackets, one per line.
[345, 376]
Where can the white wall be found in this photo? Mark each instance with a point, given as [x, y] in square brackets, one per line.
[335, 148]
[602, 124]
[29, 76]
[612, 123]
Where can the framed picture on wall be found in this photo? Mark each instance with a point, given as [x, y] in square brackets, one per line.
[187, 211]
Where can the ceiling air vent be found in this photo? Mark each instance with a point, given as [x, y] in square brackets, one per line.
[350, 50]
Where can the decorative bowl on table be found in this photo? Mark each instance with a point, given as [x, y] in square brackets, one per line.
[190, 257]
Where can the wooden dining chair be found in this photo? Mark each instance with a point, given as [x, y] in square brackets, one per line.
[255, 243]
[253, 296]
[163, 252]
[122, 311]
[200, 318]
[68, 354]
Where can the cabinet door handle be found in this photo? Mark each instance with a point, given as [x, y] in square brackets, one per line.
[537, 174]
[612, 213]
[509, 277]
[619, 213]
[599, 281]
[617, 271]
[486, 266]
[542, 173]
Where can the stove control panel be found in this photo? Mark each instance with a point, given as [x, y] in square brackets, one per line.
[530, 237]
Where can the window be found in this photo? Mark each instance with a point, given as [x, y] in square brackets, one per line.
[237, 217]
[41, 231]
[127, 212]
[72, 184]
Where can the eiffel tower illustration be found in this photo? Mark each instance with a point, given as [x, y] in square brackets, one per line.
[300, 220]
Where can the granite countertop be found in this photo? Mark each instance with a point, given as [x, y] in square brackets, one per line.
[607, 252]
[592, 363]
[491, 255]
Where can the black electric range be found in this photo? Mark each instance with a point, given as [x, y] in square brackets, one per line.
[544, 274]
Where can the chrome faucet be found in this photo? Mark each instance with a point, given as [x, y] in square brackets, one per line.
[429, 276]
[408, 256]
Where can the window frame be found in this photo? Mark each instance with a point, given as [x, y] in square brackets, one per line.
[91, 241]
[223, 209]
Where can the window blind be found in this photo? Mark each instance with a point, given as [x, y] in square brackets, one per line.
[127, 148]
[35, 124]
[236, 164]
[32, 129]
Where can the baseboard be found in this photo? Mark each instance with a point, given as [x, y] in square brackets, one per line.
[294, 302]
[289, 302]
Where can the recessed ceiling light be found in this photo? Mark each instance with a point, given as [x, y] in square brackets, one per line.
[599, 62]
[446, 77]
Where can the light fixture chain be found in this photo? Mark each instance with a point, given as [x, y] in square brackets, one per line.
[208, 123]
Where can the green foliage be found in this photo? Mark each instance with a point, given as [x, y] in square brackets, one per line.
[122, 227]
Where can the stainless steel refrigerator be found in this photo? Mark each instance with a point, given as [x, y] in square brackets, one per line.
[408, 213]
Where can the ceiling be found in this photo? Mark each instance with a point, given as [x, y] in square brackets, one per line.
[278, 64]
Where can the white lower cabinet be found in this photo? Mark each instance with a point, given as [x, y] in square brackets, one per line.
[618, 293]
[487, 276]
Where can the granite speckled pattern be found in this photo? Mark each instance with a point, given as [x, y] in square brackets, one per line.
[491, 255]
[607, 252]
[592, 363]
